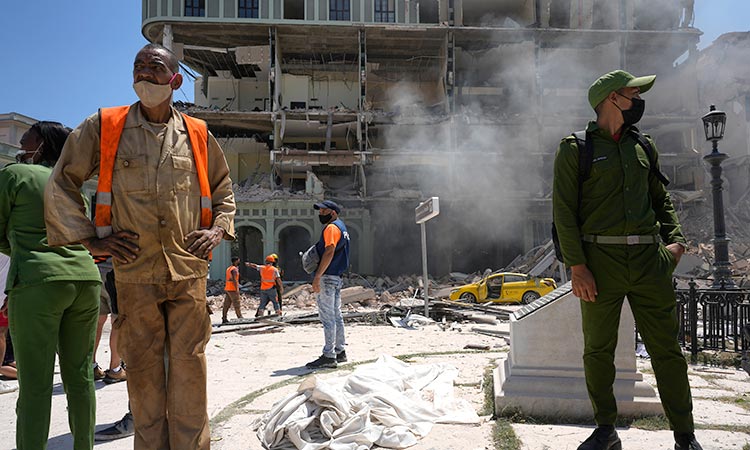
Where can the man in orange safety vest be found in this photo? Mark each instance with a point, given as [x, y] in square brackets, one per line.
[232, 290]
[270, 285]
[164, 201]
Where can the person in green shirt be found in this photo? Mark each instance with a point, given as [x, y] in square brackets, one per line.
[53, 298]
[623, 240]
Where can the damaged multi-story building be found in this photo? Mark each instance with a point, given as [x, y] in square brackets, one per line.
[379, 104]
[723, 71]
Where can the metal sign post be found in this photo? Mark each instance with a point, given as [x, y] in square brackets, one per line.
[424, 212]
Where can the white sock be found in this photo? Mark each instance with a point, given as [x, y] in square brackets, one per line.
[116, 369]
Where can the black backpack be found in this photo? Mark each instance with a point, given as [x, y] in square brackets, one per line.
[585, 160]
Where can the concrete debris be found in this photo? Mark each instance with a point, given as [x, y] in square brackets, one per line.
[398, 193]
[491, 332]
[260, 193]
[409, 283]
[698, 227]
[464, 312]
[261, 330]
[411, 321]
[476, 347]
[532, 259]
[358, 294]
[386, 297]
[376, 300]
[295, 290]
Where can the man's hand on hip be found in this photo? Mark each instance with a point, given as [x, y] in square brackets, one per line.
[677, 250]
[121, 246]
[203, 241]
[584, 285]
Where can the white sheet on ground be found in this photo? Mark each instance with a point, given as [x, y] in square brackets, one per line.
[387, 403]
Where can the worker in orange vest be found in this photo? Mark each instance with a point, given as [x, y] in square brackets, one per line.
[270, 281]
[164, 202]
[232, 290]
[280, 284]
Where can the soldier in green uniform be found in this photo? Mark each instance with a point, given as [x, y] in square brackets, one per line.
[623, 239]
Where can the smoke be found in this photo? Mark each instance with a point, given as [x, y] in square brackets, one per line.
[491, 162]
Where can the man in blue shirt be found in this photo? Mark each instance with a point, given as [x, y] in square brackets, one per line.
[333, 250]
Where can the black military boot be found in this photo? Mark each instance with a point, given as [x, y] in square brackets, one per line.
[603, 438]
[686, 441]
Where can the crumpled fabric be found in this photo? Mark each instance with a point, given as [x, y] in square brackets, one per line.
[388, 403]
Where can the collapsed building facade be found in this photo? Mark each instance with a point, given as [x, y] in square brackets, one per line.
[378, 104]
[723, 71]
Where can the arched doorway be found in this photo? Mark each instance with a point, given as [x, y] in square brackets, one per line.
[293, 239]
[251, 250]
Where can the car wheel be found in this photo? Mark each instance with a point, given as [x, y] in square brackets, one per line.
[468, 297]
[529, 297]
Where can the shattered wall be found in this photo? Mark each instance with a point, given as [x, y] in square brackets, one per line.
[723, 71]
[514, 102]
[522, 70]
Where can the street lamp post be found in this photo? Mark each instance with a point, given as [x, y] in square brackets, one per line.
[713, 125]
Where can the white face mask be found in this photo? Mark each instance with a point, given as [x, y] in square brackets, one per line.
[22, 156]
[152, 95]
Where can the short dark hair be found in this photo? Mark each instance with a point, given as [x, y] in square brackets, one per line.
[235, 259]
[172, 62]
[54, 135]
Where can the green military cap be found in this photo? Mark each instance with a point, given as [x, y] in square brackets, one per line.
[617, 80]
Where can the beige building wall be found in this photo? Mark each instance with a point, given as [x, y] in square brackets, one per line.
[13, 126]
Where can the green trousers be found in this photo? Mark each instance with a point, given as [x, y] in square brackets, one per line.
[57, 317]
[643, 273]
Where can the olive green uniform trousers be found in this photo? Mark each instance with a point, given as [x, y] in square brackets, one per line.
[643, 273]
[55, 317]
[164, 329]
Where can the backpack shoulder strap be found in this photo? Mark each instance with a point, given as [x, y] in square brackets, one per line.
[585, 154]
[644, 142]
[585, 159]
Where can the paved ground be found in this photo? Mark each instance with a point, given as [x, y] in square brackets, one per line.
[264, 368]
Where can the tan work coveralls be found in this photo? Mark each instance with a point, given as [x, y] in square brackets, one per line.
[162, 294]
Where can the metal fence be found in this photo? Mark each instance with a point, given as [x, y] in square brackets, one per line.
[712, 319]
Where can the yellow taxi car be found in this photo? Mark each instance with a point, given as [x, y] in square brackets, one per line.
[504, 287]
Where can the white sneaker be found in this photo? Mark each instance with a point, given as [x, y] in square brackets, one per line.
[6, 388]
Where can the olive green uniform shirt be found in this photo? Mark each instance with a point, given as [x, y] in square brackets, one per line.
[155, 194]
[23, 236]
[621, 196]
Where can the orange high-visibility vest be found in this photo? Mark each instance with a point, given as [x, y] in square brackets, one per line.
[112, 122]
[230, 284]
[267, 277]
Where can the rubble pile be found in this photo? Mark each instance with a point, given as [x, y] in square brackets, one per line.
[257, 188]
[409, 283]
[530, 260]
[359, 293]
[698, 226]
[260, 193]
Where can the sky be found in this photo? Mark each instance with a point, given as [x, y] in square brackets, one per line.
[64, 60]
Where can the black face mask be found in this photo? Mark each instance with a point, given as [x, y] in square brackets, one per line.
[325, 218]
[632, 115]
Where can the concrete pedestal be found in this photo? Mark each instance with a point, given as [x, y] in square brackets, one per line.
[543, 375]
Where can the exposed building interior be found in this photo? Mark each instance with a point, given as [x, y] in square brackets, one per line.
[379, 104]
